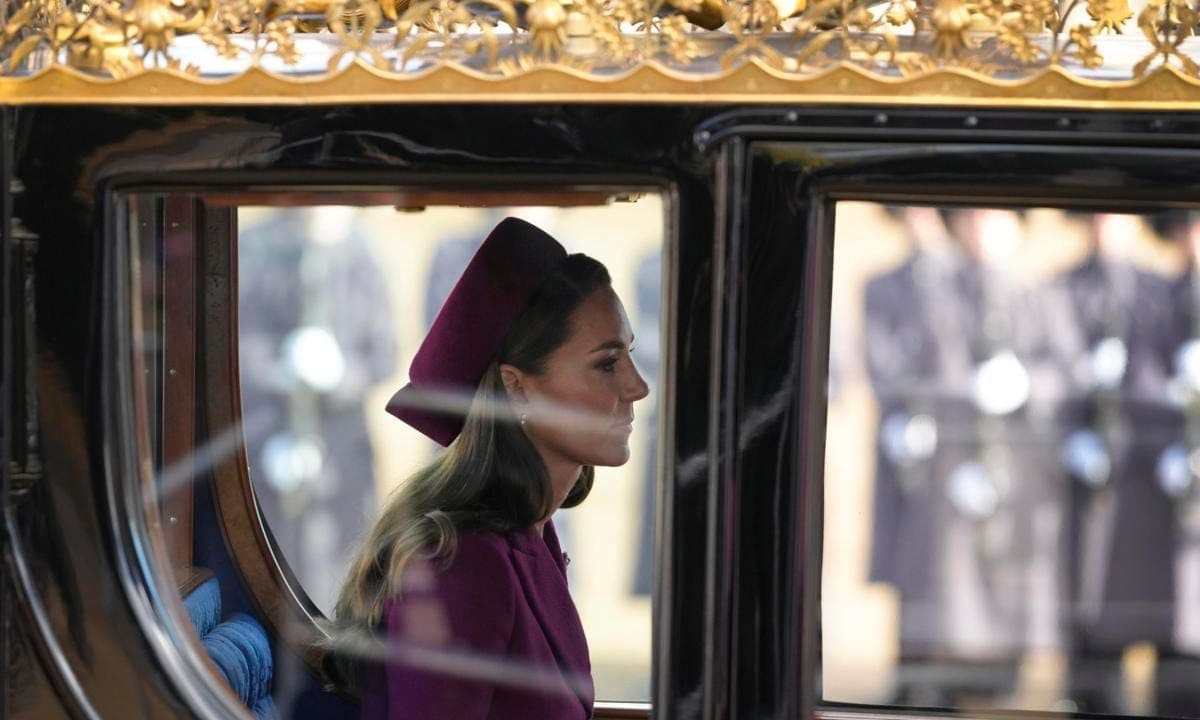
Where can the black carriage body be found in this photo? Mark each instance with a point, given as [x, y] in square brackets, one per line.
[748, 271]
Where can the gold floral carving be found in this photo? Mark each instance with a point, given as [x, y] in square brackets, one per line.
[254, 28]
[1166, 24]
[887, 50]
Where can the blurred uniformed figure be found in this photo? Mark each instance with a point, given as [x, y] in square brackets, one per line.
[1127, 456]
[965, 526]
[1163, 518]
[1177, 693]
[1106, 446]
[449, 261]
[315, 335]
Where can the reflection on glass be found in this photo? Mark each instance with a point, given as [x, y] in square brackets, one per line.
[333, 303]
[316, 332]
[1016, 403]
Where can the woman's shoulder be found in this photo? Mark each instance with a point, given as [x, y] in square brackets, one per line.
[477, 557]
[471, 591]
[483, 542]
[477, 549]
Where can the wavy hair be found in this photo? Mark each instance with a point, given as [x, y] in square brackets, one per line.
[490, 478]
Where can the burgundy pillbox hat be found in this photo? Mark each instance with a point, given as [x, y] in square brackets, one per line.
[497, 286]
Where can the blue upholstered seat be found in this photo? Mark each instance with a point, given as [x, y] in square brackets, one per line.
[237, 645]
[204, 606]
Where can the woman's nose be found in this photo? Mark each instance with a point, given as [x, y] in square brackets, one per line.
[637, 387]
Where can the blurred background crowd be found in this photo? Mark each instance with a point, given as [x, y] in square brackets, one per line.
[1012, 519]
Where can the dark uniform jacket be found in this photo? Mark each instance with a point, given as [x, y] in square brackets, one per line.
[1120, 527]
[961, 528]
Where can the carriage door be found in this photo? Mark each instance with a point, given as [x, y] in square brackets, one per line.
[962, 417]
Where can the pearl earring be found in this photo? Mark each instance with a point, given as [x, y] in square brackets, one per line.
[524, 418]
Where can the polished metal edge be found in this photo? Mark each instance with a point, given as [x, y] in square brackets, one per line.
[622, 710]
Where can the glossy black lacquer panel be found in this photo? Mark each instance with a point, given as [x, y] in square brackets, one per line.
[101, 610]
[775, 351]
[26, 688]
[6, 624]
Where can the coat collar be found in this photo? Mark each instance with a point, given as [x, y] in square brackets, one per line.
[543, 573]
[528, 541]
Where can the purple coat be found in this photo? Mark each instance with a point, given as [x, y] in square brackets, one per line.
[493, 636]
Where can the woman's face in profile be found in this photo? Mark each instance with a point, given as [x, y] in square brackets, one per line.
[591, 375]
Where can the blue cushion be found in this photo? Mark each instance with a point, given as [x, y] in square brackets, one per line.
[204, 606]
[230, 661]
[240, 649]
[265, 709]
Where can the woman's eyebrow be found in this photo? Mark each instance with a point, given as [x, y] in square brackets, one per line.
[611, 345]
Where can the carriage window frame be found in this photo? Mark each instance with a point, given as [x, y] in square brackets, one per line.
[847, 171]
[212, 261]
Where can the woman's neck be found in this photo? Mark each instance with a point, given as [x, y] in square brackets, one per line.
[563, 476]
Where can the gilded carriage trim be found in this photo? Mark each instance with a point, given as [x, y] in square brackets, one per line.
[702, 39]
[1166, 88]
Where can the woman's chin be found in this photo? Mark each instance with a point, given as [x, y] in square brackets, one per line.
[614, 455]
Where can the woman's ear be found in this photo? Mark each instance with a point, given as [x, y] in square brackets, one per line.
[512, 377]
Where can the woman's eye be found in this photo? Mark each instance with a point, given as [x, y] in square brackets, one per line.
[609, 365]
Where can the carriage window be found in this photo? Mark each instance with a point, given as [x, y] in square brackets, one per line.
[274, 328]
[1012, 514]
[334, 301]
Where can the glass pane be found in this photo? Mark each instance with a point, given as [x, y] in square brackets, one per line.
[1012, 515]
[334, 302]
